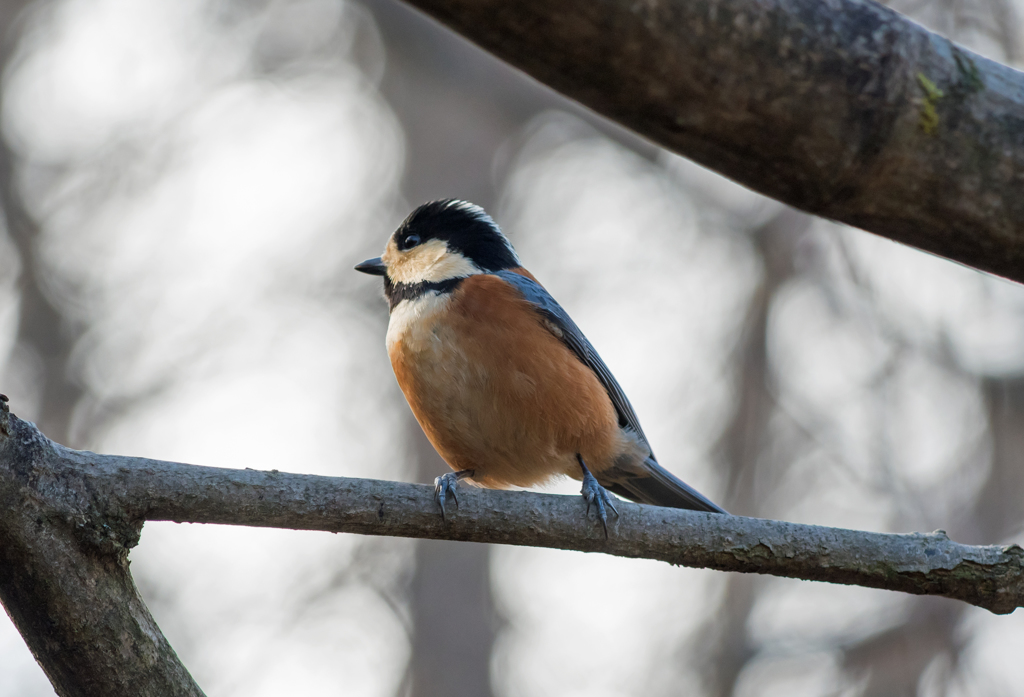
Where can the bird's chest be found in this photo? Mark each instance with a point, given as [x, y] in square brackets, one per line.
[475, 401]
[429, 355]
[494, 390]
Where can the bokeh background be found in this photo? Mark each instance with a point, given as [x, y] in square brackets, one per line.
[185, 186]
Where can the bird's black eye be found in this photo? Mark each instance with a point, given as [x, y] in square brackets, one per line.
[409, 242]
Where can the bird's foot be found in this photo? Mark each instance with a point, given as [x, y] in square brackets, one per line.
[597, 496]
[446, 485]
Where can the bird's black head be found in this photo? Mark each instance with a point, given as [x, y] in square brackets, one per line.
[463, 227]
[441, 241]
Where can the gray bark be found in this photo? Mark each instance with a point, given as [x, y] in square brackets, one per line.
[844, 108]
[68, 519]
[64, 576]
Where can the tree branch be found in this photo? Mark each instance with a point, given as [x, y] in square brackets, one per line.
[64, 576]
[68, 518]
[845, 108]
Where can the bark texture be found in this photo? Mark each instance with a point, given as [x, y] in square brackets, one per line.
[64, 577]
[845, 108]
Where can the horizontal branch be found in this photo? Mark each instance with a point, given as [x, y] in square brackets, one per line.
[113, 494]
[921, 563]
[68, 519]
[844, 109]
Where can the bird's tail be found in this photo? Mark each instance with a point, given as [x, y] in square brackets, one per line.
[659, 487]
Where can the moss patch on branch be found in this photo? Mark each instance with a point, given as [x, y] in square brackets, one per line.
[929, 120]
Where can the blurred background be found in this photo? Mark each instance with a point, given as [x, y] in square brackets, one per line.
[185, 186]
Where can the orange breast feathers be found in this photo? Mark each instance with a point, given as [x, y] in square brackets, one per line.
[496, 392]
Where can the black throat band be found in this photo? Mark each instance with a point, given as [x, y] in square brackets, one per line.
[397, 292]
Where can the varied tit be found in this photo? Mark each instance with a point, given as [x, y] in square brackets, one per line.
[503, 382]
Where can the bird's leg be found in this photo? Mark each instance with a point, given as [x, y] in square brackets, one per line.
[447, 484]
[596, 495]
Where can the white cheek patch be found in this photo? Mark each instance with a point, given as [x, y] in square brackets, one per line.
[430, 262]
[452, 265]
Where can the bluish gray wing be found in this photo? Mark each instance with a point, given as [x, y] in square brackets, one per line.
[565, 329]
[647, 482]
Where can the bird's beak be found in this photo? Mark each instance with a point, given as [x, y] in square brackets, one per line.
[374, 267]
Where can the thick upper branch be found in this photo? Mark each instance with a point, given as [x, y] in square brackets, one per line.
[843, 108]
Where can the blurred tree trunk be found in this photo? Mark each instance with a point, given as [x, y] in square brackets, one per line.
[893, 660]
[454, 622]
[459, 105]
[44, 333]
[996, 513]
[742, 453]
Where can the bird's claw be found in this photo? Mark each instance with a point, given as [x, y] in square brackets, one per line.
[596, 495]
[444, 485]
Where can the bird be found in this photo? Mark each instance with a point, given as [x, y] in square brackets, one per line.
[506, 387]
